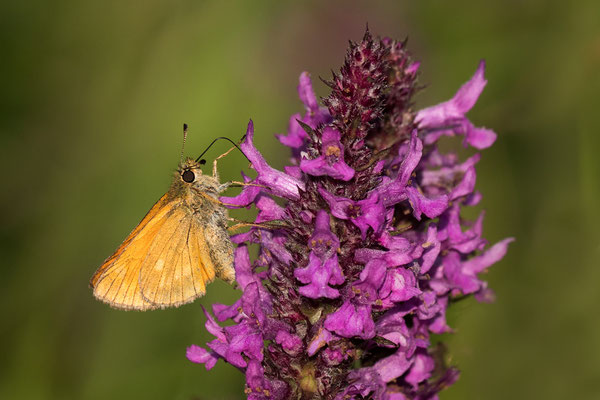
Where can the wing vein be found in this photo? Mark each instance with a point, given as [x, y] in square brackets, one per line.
[187, 242]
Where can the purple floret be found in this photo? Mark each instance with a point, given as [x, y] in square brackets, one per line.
[331, 161]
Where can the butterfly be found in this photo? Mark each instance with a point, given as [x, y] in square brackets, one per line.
[179, 247]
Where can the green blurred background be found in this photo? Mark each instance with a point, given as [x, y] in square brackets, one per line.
[93, 98]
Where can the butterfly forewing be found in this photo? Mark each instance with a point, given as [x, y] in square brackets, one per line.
[153, 217]
[164, 262]
[176, 269]
[116, 281]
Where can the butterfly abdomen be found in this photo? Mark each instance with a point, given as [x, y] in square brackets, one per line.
[220, 246]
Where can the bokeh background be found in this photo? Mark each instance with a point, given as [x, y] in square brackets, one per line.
[93, 96]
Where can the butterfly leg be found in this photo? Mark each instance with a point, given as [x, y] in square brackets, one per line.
[236, 183]
[240, 225]
[275, 224]
[224, 186]
[217, 201]
[215, 171]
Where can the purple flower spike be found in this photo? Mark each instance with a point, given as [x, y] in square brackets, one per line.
[451, 113]
[361, 244]
[331, 161]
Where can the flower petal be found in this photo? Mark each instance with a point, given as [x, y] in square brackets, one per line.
[351, 320]
[489, 257]
[455, 108]
[200, 355]
[421, 369]
[319, 276]
[279, 183]
[292, 344]
[392, 366]
[411, 159]
[306, 92]
[423, 205]
[480, 138]
[322, 337]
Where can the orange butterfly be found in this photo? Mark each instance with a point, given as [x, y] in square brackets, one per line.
[176, 250]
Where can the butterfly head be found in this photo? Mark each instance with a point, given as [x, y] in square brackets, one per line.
[190, 171]
[188, 180]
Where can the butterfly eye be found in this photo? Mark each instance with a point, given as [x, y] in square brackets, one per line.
[188, 176]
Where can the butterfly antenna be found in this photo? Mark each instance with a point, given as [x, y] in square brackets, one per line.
[185, 131]
[199, 159]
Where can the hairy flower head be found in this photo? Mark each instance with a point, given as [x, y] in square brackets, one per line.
[369, 248]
